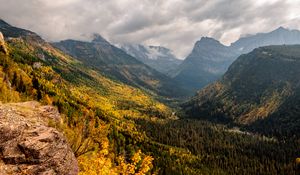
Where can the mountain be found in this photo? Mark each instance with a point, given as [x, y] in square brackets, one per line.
[210, 59]
[117, 64]
[260, 89]
[15, 32]
[279, 36]
[157, 57]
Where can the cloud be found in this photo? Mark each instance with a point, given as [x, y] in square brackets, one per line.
[176, 24]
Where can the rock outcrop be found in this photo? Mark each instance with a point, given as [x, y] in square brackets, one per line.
[29, 146]
[2, 44]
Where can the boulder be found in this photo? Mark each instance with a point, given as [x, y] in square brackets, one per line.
[29, 146]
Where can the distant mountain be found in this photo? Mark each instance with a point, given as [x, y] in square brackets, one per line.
[279, 36]
[117, 64]
[207, 62]
[157, 57]
[260, 89]
[210, 59]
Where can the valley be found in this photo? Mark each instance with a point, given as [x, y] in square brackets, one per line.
[137, 109]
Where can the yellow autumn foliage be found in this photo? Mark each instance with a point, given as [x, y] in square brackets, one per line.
[101, 163]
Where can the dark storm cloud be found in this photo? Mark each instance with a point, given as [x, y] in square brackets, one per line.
[173, 23]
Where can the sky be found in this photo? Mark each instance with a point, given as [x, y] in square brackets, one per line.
[176, 24]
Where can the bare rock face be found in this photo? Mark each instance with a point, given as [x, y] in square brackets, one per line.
[29, 146]
[2, 44]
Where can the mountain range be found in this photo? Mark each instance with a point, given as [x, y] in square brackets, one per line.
[117, 64]
[210, 59]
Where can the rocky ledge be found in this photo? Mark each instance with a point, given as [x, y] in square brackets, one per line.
[29, 146]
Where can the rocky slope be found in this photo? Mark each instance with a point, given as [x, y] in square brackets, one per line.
[210, 59]
[260, 88]
[28, 145]
[157, 57]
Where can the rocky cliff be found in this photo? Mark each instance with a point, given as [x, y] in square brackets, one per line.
[29, 146]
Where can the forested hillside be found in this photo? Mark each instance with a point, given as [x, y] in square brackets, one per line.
[118, 65]
[261, 87]
[96, 110]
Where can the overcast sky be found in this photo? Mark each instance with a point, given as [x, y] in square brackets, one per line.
[176, 24]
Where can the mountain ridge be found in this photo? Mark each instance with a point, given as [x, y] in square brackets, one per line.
[115, 63]
[216, 57]
[208, 60]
